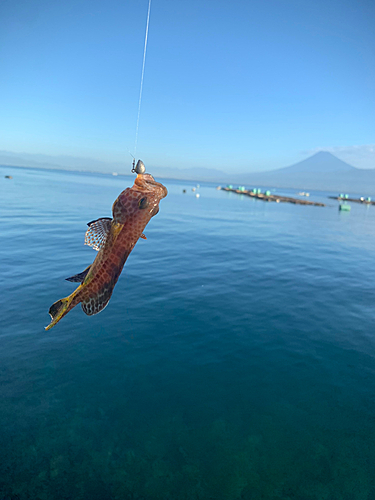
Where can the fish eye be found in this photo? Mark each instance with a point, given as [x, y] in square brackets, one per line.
[143, 203]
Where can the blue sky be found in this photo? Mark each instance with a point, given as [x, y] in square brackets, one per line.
[234, 85]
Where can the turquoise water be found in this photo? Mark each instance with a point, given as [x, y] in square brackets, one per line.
[235, 359]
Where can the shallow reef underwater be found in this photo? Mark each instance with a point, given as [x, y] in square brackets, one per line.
[169, 460]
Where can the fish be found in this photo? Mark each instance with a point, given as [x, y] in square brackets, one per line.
[114, 238]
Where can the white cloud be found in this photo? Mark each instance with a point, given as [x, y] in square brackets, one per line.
[362, 156]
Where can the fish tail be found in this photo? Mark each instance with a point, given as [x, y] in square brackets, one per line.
[60, 308]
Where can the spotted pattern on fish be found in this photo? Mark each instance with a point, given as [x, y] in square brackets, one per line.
[132, 211]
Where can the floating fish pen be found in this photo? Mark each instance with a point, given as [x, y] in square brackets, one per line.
[362, 199]
[267, 196]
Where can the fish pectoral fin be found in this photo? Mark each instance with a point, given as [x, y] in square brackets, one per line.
[80, 277]
[97, 232]
[96, 303]
[143, 237]
[116, 229]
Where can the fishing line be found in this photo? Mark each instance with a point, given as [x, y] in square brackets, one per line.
[143, 72]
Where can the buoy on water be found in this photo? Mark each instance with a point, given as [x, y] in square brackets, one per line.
[344, 207]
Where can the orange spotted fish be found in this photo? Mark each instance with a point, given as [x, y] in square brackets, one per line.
[114, 239]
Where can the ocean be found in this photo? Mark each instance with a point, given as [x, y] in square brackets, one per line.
[235, 360]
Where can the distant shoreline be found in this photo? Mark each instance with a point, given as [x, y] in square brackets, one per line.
[253, 180]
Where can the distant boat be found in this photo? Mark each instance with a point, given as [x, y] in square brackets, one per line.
[114, 173]
[8, 177]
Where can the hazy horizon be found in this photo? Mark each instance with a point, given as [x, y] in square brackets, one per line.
[320, 172]
[71, 162]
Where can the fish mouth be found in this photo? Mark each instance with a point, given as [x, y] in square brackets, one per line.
[145, 182]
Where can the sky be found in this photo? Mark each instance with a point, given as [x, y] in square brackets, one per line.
[240, 86]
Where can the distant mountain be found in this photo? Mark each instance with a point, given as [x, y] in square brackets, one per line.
[191, 174]
[66, 162]
[319, 162]
[322, 172]
[60, 161]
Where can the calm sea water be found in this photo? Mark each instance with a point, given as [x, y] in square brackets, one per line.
[235, 360]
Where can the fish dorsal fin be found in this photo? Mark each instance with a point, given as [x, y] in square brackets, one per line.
[80, 277]
[97, 232]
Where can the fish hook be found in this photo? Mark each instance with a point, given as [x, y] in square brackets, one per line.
[139, 168]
